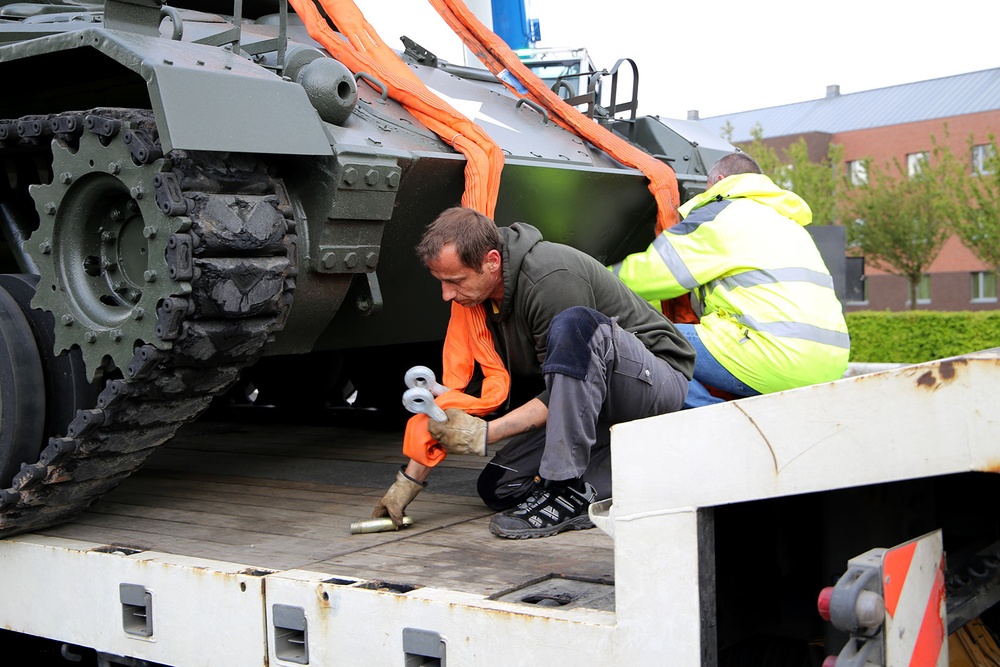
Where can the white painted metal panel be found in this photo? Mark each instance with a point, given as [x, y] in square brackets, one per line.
[351, 625]
[928, 419]
[205, 613]
[656, 590]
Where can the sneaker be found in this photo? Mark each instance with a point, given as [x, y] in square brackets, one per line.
[546, 512]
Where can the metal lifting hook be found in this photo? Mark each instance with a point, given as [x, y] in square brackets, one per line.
[418, 399]
[421, 376]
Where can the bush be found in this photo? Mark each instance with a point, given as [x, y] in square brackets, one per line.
[916, 336]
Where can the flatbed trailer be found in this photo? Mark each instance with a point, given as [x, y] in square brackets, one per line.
[230, 514]
[232, 545]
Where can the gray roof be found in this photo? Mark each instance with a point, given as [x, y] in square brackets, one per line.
[906, 103]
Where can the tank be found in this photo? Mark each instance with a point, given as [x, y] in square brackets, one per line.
[200, 205]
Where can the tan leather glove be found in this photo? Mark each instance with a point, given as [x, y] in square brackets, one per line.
[461, 434]
[400, 494]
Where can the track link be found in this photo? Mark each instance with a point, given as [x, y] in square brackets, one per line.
[231, 261]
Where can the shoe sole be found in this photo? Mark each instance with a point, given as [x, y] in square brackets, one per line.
[576, 523]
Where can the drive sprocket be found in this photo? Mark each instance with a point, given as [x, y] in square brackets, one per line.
[101, 245]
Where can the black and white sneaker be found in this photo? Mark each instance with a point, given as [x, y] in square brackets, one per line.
[546, 512]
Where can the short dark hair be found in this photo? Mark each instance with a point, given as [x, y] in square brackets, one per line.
[732, 164]
[472, 233]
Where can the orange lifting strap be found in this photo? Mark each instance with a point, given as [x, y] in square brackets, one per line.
[497, 57]
[368, 53]
[467, 340]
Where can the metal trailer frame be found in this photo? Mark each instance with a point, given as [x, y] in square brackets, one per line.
[669, 472]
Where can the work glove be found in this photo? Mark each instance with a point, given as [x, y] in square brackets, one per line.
[461, 433]
[400, 494]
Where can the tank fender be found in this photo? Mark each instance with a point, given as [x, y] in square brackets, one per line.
[210, 99]
[204, 97]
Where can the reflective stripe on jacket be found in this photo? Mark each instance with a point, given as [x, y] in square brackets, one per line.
[769, 312]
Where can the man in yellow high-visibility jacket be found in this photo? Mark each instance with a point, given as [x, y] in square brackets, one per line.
[769, 318]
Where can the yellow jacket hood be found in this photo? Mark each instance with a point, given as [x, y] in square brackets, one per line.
[758, 187]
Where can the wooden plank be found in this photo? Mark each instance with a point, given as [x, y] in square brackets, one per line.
[486, 565]
[283, 440]
[261, 491]
[247, 554]
[185, 479]
[331, 525]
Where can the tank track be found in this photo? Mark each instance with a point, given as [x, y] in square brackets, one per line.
[231, 260]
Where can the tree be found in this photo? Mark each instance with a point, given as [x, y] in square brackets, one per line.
[727, 131]
[977, 217]
[900, 220]
[770, 162]
[816, 182]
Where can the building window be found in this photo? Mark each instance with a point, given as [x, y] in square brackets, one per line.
[857, 172]
[855, 287]
[984, 287]
[923, 291]
[983, 158]
[915, 162]
[859, 296]
[861, 299]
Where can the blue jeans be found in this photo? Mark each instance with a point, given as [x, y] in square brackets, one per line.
[708, 371]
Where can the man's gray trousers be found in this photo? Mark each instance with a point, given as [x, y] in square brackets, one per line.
[597, 374]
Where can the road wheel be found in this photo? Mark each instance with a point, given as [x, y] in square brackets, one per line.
[22, 390]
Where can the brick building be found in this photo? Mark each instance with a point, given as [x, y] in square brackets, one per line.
[884, 124]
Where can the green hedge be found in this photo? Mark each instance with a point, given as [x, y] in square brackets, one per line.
[916, 336]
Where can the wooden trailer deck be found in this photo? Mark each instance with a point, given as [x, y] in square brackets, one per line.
[280, 496]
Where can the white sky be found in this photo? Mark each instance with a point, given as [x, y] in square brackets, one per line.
[778, 51]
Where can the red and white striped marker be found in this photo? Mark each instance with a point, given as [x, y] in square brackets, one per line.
[916, 618]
